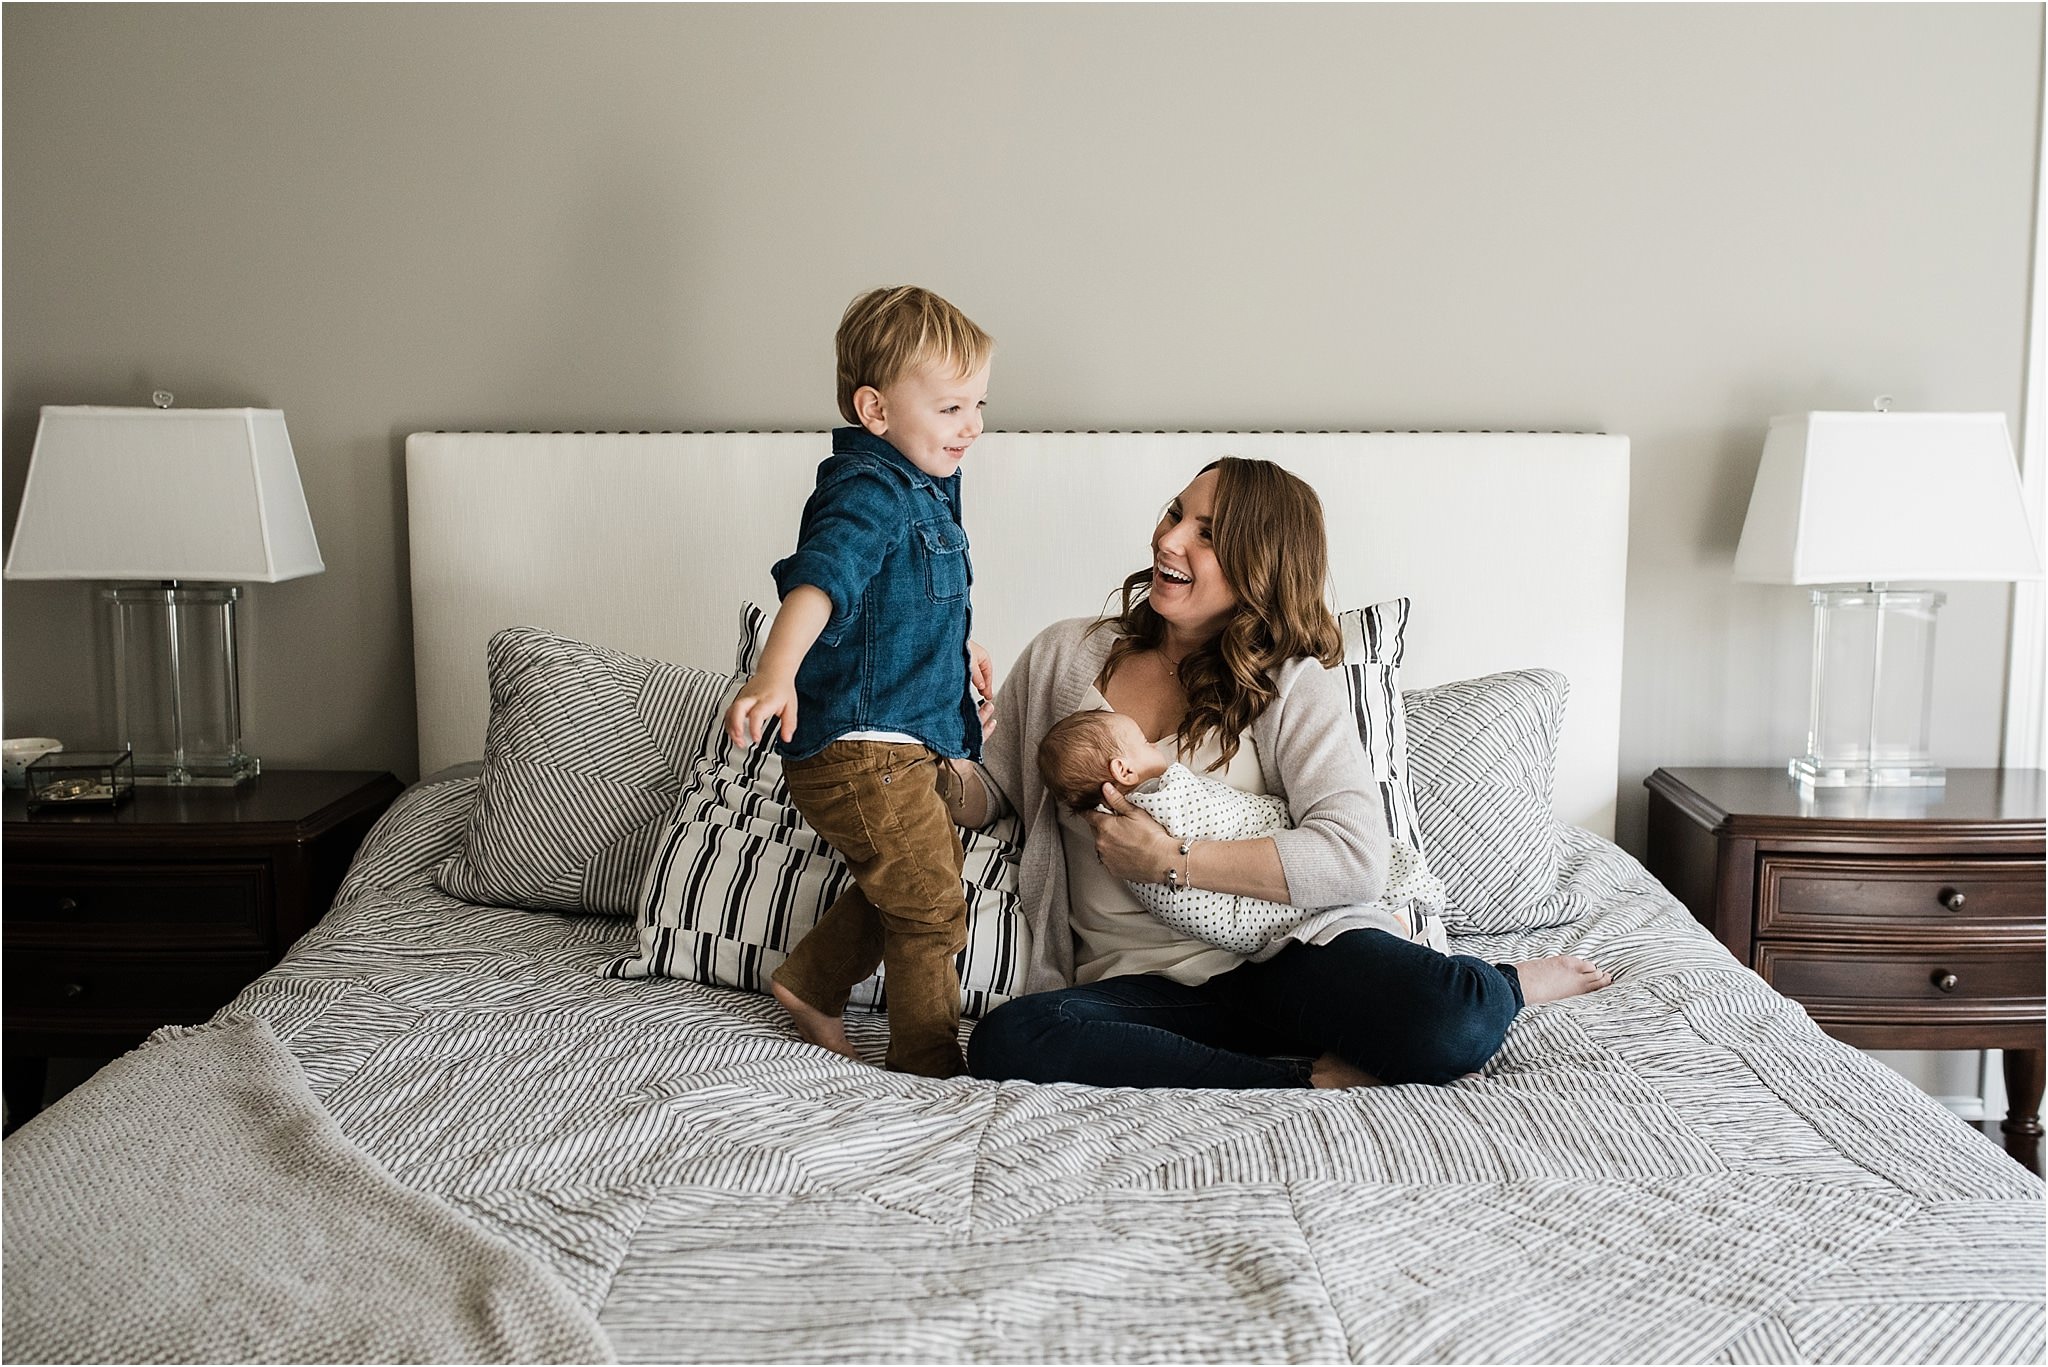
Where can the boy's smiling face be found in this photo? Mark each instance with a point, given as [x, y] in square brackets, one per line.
[928, 413]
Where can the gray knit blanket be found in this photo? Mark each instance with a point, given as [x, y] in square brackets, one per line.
[1680, 1168]
[194, 1203]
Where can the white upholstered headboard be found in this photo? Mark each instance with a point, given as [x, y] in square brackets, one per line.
[1512, 546]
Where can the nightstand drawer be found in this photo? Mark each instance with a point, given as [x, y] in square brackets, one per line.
[138, 906]
[1840, 897]
[1850, 984]
[57, 991]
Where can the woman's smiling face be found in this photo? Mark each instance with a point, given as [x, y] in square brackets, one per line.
[1188, 587]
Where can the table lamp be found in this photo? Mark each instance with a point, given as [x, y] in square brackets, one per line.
[1856, 502]
[194, 500]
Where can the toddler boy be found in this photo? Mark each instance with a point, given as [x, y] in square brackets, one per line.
[868, 666]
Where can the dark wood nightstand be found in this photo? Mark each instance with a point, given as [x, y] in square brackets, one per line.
[1901, 918]
[159, 911]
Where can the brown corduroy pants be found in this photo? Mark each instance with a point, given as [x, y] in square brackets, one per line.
[882, 806]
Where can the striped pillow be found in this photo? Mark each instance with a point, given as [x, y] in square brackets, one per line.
[1482, 760]
[584, 756]
[737, 878]
[1372, 675]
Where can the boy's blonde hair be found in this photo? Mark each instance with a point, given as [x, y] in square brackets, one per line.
[887, 332]
[1074, 758]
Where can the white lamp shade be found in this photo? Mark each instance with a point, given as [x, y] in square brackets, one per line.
[1844, 498]
[203, 494]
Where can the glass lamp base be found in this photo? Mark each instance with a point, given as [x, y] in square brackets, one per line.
[1873, 681]
[177, 683]
[198, 771]
[1816, 772]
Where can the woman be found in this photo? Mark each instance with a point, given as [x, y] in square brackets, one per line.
[1220, 653]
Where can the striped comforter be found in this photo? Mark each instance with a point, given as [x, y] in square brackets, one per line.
[1681, 1168]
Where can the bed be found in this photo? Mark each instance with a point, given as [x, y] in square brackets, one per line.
[1680, 1168]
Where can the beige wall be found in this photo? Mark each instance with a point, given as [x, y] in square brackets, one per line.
[1666, 221]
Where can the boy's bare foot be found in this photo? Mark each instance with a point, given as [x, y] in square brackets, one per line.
[813, 1025]
[1557, 977]
[1331, 1071]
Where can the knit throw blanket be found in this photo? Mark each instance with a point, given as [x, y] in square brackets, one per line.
[195, 1203]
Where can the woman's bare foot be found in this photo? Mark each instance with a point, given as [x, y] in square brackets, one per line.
[1331, 1071]
[1559, 976]
[813, 1025]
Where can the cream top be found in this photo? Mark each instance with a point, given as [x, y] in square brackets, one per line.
[1113, 933]
[1309, 756]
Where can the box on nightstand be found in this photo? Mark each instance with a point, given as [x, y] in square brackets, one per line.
[81, 778]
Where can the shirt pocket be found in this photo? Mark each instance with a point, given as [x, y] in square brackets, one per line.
[944, 549]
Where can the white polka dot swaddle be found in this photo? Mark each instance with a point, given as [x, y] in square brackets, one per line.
[1191, 807]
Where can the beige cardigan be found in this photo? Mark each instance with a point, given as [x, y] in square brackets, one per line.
[1309, 754]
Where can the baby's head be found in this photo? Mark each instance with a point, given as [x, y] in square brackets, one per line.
[914, 370]
[1083, 751]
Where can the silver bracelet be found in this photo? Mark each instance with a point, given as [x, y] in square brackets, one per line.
[1177, 879]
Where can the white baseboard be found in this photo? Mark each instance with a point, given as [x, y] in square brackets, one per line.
[1970, 1108]
[1944, 1075]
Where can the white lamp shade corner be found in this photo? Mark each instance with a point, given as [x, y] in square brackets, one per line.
[197, 494]
[1887, 497]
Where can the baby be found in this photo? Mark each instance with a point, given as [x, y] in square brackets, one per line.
[1082, 751]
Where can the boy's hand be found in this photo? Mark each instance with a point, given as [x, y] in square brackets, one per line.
[981, 672]
[761, 700]
[771, 693]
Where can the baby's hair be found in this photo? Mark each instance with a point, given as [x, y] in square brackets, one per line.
[885, 333]
[1074, 758]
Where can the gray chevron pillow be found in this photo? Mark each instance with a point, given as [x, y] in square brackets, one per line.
[1482, 759]
[584, 757]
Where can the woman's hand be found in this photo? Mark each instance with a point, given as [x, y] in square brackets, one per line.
[1130, 844]
[1137, 849]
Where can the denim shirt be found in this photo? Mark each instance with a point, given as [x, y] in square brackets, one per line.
[883, 540]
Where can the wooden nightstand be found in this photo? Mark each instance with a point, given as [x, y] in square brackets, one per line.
[1901, 918]
[161, 910]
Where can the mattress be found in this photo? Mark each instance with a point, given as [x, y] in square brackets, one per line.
[1679, 1168]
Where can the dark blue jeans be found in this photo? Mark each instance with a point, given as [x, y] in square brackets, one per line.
[1400, 1011]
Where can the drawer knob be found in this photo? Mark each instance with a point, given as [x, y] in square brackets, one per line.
[1945, 981]
[67, 905]
[1952, 898]
[74, 989]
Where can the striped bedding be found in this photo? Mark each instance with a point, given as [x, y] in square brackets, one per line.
[1678, 1169]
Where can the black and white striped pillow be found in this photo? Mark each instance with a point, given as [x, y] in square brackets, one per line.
[1372, 675]
[737, 877]
[1482, 762]
[584, 756]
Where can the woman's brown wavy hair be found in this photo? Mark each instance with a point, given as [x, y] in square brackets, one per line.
[1267, 530]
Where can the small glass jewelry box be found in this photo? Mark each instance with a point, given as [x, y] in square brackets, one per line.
[81, 778]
